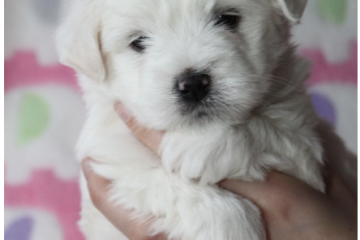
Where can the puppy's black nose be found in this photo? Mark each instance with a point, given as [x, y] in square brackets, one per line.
[193, 86]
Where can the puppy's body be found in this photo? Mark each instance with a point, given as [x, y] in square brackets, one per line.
[255, 114]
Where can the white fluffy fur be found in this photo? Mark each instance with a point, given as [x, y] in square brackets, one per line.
[257, 116]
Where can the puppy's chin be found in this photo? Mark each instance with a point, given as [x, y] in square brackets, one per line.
[214, 112]
[203, 117]
[204, 111]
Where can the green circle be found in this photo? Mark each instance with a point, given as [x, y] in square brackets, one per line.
[33, 118]
[333, 11]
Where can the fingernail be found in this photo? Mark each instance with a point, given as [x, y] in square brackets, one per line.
[85, 165]
[123, 112]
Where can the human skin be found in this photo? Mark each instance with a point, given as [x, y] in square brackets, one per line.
[291, 209]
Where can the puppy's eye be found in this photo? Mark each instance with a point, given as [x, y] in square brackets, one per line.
[139, 44]
[228, 20]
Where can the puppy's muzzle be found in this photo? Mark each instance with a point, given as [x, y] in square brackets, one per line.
[193, 86]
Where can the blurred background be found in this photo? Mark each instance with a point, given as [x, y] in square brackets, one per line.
[44, 111]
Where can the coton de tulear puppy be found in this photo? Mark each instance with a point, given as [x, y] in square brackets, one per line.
[221, 78]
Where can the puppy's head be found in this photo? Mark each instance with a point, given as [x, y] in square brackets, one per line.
[180, 62]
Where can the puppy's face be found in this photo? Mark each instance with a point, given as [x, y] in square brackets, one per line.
[184, 62]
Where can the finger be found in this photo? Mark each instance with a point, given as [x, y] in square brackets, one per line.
[149, 138]
[97, 185]
[339, 192]
[276, 190]
[121, 218]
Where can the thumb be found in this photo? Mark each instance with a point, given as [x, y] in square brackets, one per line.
[276, 189]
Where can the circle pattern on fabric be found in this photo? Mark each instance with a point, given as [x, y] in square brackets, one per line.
[33, 119]
[324, 107]
[20, 229]
[333, 11]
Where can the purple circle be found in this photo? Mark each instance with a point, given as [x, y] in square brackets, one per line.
[324, 107]
[20, 229]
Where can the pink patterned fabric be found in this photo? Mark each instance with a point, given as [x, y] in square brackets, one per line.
[23, 69]
[45, 191]
[325, 72]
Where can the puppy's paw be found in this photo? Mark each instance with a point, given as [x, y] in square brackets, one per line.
[206, 157]
[214, 216]
[192, 166]
[241, 222]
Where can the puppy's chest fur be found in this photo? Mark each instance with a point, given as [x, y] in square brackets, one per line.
[277, 137]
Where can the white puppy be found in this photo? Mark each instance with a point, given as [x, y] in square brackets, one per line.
[221, 78]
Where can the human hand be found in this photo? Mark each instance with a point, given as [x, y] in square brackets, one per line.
[121, 218]
[291, 209]
[98, 186]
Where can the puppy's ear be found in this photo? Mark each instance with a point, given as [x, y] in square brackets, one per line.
[78, 39]
[291, 9]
